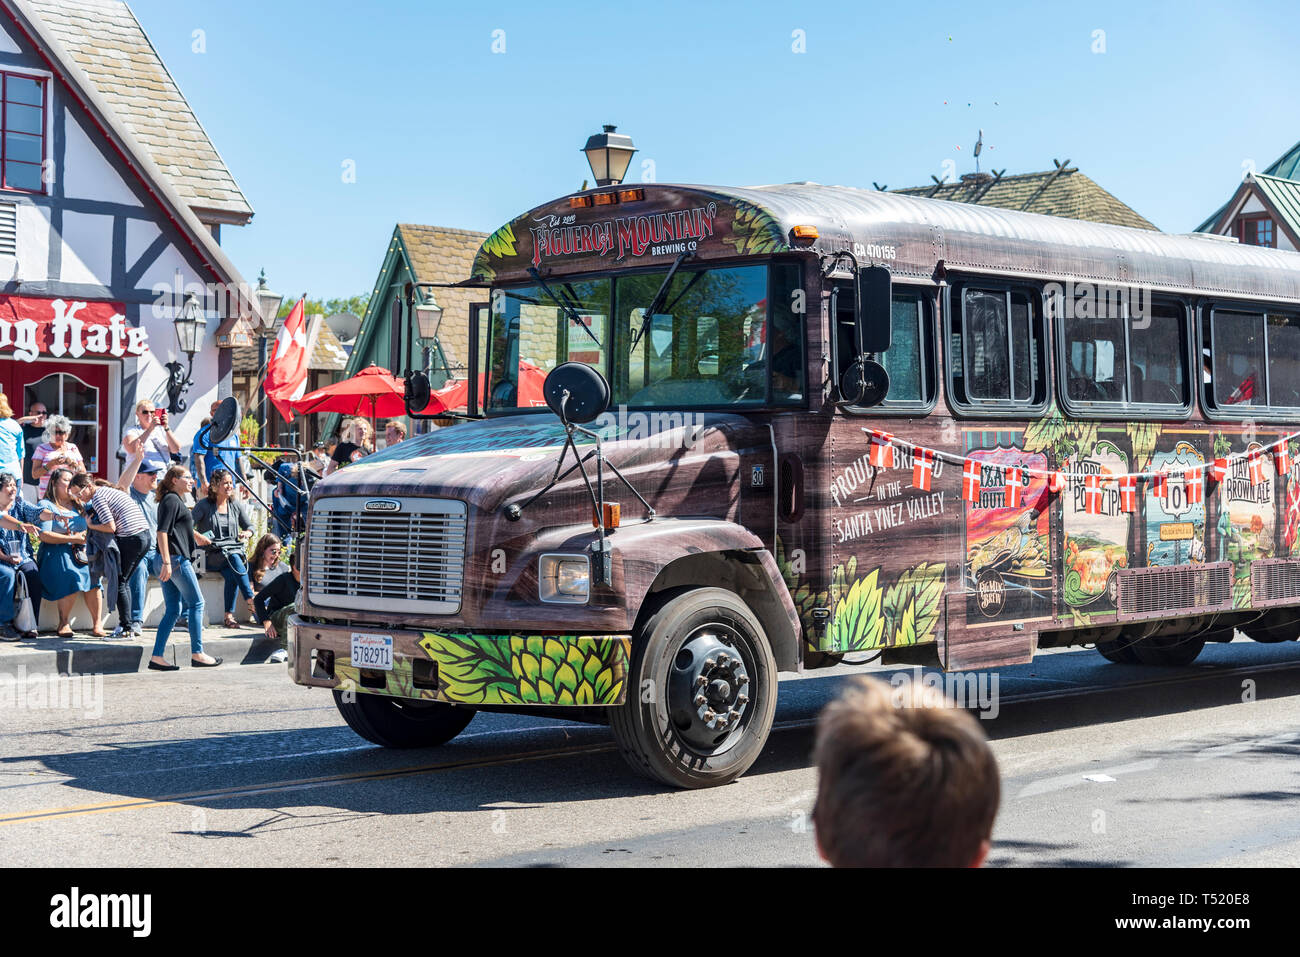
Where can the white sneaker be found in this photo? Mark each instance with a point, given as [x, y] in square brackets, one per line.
[278, 656]
[119, 634]
[137, 629]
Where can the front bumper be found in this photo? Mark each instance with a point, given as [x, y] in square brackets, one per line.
[462, 668]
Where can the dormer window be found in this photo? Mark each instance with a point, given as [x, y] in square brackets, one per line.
[1256, 231]
[22, 152]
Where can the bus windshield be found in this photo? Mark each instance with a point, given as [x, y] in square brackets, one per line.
[713, 340]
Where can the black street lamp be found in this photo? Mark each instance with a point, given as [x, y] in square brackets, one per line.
[269, 304]
[189, 324]
[609, 154]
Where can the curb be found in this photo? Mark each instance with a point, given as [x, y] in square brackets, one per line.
[70, 656]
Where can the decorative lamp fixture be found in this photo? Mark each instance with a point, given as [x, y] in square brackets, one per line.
[268, 301]
[189, 324]
[609, 154]
[428, 317]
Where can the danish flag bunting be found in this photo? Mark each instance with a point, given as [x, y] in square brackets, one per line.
[970, 481]
[1013, 488]
[1056, 482]
[1160, 485]
[882, 450]
[286, 372]
[1220, 470]
[922, 469]
[1282, 457]
[1128, 493]
[1092, 494]
[1256, 466]
[1194, 485]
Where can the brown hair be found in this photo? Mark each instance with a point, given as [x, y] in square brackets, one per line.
[165, 486]
[904, 779]
[264, 544]
[80, 480]
[217, 477]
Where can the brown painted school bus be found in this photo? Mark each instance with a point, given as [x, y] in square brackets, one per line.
[837, 423]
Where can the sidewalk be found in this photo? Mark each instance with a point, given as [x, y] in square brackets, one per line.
[86, 655]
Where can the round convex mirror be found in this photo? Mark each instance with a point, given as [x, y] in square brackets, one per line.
[587, 392]
[865, 383]
[417, 393]
[225, 421]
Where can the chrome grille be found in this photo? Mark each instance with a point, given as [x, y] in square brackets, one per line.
[411, 559]
[1164, 590]
[1274, 581]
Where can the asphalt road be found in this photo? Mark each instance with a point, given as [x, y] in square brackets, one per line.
[1102, 765]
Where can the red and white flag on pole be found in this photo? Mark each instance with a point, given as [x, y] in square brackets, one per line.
[1092, 494]
[1056, 483]
[922, 469]
[882, 450]
[286, 371]
[970, 481]
[1128, 493]
[1013, 488]
[1194, 485]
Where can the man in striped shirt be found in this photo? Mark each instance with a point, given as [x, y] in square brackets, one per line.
[121, 517]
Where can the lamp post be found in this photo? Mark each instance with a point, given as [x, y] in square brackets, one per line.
[269, 305]
[189, 324]
[609, 154]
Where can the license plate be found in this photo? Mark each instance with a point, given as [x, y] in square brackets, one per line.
[372, 651]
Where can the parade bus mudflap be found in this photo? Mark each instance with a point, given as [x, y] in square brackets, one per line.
[461, 668]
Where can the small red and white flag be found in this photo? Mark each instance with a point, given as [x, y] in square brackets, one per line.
[1160, 485]
[1194, 485]
[1282, 457]
[1258, 475]
[882, 450]
[1013, 487]
[1220, 470]
[1128, 493]
[1056, 482]
[286, 371]
[970, 481]
[1092, 494]
[922, 469]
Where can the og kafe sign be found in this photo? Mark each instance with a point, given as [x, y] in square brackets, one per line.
[61, 329]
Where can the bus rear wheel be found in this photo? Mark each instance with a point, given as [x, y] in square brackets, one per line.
[701, 691]
[401, 722]
[1120, 651]
[1173, 651]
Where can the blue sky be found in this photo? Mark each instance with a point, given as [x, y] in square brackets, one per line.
[444, 131]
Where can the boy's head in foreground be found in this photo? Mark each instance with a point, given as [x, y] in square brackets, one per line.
[904, 780]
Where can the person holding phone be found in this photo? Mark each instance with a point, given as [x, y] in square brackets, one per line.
[153, 434]
[57, 452]
[33, 424]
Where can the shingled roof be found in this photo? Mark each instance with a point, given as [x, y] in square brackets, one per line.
[440, 254]
[1063, 192]
[104, 38]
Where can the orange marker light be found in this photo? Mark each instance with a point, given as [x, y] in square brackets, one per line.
[613, 513]
[606, 199]
[630, 195]
[806, 233]
[579, 202]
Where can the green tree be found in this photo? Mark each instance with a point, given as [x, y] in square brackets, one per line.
[328, 307]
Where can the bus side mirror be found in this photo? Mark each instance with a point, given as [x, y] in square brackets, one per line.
[875, 305]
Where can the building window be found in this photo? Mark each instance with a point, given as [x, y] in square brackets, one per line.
[22, 152]
[1257, 231]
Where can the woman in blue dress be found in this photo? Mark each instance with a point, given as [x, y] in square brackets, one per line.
[62, 577]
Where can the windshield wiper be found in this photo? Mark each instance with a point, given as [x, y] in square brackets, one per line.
[657, 302]
[566, 308]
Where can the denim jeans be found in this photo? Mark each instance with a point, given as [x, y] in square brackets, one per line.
[8, 583]
[151, 564]
[235, 572]
[182, 587]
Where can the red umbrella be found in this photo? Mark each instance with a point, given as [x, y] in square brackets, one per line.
[455, 394]
[372, 392]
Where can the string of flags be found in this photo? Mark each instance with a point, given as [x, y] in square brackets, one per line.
[881, 454]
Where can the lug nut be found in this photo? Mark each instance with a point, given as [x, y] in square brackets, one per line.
[742, 679]
[709, 716]
[742, 699]
[709, 662]
[722, 660]
[700, 699]
[733, 716]
[701, 681]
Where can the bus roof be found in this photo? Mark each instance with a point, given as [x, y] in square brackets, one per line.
[653, 223]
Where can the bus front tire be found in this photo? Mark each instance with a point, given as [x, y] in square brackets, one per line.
[701, 691]
[401, 722]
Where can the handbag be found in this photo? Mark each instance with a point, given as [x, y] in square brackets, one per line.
[25, 619]
[79, 555]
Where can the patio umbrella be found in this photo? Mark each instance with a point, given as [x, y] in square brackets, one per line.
[372, 392]
[455, 394]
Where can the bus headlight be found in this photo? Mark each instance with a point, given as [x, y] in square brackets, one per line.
[564, 578]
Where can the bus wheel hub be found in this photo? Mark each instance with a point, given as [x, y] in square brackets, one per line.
[707, 688]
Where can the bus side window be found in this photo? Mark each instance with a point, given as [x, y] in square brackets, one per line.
[1283, 360]
[910, 358]
[996, 349]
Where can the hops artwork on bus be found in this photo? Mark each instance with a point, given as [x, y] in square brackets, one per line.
[663, 234]
[57, 328]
